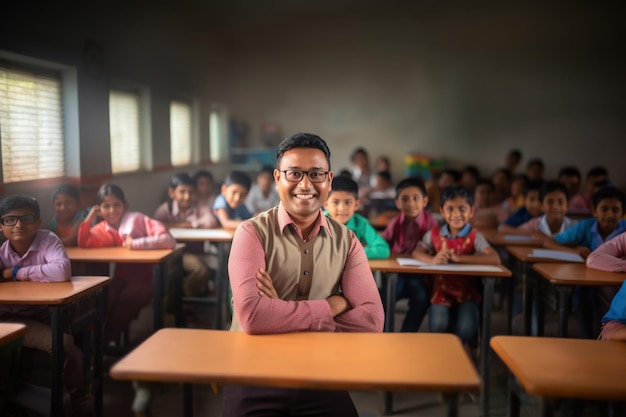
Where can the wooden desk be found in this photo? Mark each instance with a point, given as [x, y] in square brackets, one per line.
[345, 361]
[565, 276]
[496, 238]
[59, 297]
[222, 238]
[555, 368]
[10, 332]
[390, 269]
[530, 291]
[158, 258]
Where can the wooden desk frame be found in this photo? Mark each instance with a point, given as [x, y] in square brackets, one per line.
[389, 269]
[71, 293]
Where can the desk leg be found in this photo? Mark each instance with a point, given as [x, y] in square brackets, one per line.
[452, 402]
[56, 403]
[157, 300]
[527, 300]
[221, 285]
[389, 282]
[488, 290]
[540, 300]
[188, 400]
[98, 352]
[513, 396]
[565, 296]
[545, 407]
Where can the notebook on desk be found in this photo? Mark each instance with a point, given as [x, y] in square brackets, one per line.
[448, 267]
[556, 254]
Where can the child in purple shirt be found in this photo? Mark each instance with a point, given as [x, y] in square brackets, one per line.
[32, 254]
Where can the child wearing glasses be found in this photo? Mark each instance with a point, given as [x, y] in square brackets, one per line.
[34, 254]
[229, 206]
[110, 224]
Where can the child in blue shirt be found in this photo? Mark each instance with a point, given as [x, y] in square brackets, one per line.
[229, 206]
[585, 237]
[530, 210]
[341, 205]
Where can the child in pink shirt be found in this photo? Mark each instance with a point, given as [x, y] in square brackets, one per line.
[131, 287]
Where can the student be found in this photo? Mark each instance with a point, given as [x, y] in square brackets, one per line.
[530, 209]
[535, 169]
[263, 194]
[582, 202]
[585, 237]
[455, 242]
[570, 177]
[182, 210]
[485, 212]
[383, 188]
[67, 217]
[502, 180]
[611, 256]
[205, 188]
[131, 288]
[360, 170]
[229, 206]
[33, 254]
[445, 179]
[512, 160]
[553, 199]
[470, 177]
[292, 269]
[341, 205]
[402, 234]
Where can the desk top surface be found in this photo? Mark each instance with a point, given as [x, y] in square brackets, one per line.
[565, 368]
[119, 254]
[523, 253]
[368, 361]
[392, 265]
[10, 332]
[49, 293]
[578, 274]
[201, 235]
[496, 238]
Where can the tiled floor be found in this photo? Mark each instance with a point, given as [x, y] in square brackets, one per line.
[166, 399]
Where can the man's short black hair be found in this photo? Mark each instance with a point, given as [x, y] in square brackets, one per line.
[302, 140]
[410, 182]
[19, 201]
[453, 191]
[608, 192]
[341, 183]
[550, 187]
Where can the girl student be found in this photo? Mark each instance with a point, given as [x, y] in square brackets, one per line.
[110, 224]
[67, 214]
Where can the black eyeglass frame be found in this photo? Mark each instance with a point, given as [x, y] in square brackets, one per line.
[12, 220]
[303, 173]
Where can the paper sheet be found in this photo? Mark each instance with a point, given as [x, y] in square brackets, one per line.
[556, 254]
[410, 262]
[518, 238]
[448, 267]
[208, 234]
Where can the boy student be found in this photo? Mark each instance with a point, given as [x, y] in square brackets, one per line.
[553, 199]
[455, 242]
[341, 205]
[33, 254]
[67, 214]
[581, 203]
[263, 194]
[585, 237]
[611, 256]
[182, 210]
[485, 212]
[229, 206]
[530, 210]
[402, 234]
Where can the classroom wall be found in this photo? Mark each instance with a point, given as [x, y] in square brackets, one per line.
[159, 49]
[464, 84]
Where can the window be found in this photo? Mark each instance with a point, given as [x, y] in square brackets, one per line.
[31, 125]
[181, 133]
[218, 133]
[124, 123]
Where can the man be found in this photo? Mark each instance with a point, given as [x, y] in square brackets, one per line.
[292, 269]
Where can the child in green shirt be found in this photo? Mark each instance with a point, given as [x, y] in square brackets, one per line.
[341, 205]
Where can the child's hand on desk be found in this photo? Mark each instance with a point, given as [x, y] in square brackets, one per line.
[455, 257]
[128, 242]
[582, 251]
[442, 257]
[265, 284]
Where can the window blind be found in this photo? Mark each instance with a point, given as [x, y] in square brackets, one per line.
[181, 135]
[31, 126]
[125, 133]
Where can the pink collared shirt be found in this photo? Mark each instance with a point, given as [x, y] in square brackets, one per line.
[258, 314]
[200, 216]
[610, 256]
[403, 238]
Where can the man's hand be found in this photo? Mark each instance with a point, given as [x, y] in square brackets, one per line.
[265, 284]
[338, 304]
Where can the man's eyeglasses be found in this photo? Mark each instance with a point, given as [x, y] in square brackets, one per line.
[296, 176]
[12, 220]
